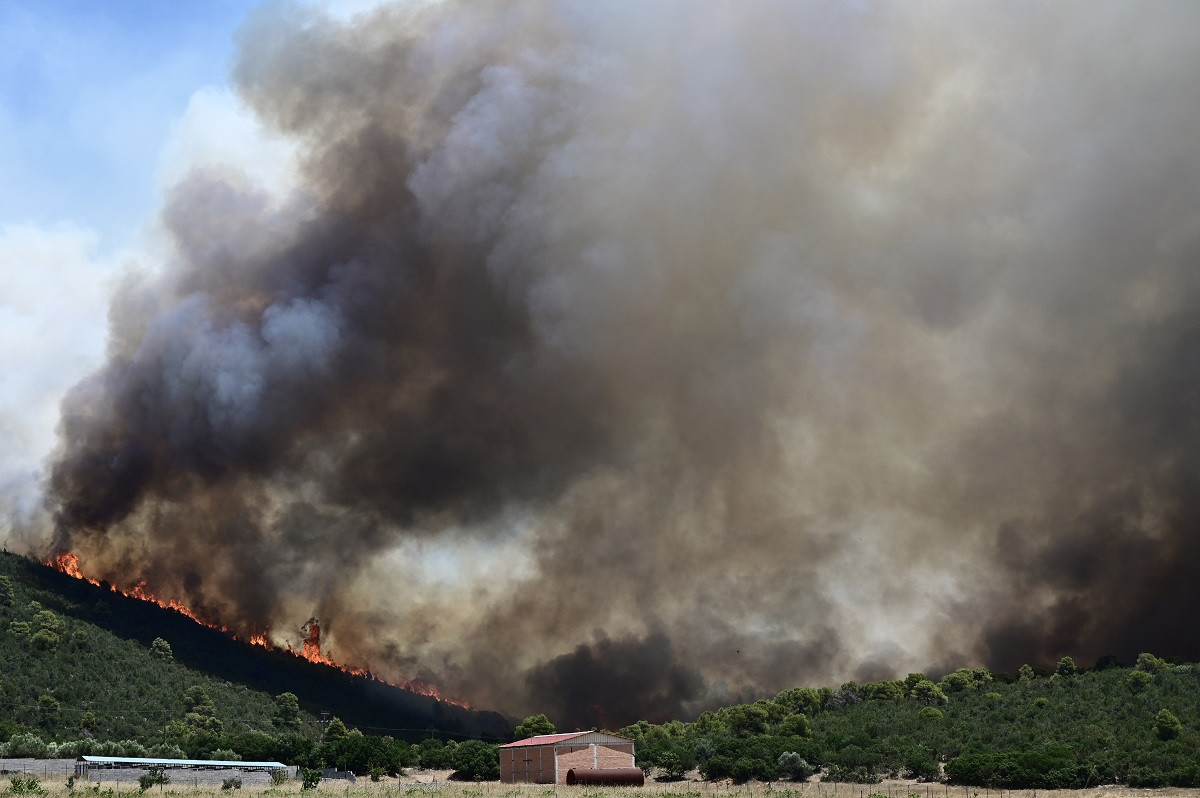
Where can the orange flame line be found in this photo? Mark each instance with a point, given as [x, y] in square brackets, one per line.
[68, 563]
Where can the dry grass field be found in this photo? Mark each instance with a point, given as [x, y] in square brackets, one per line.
[433, 784]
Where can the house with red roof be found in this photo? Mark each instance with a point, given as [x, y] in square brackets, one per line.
[545, 759]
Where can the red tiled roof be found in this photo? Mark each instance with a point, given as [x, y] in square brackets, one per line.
[545, 739]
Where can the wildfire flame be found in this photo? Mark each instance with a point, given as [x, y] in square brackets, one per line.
[68, 563]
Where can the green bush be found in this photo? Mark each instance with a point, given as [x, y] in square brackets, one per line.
[232, 783]
[152, 777]
[25, 785]
[25, 746]
[475, 760]
[791, 765]
[310, 778]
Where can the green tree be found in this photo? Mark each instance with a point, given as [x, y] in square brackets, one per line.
[802, 700]
[7, 596]
[160, 649]
[1026, 673]
[1066, 667]
[1166, 725]
[532, 726]
[475, 760]
[336, 730]
[287, 711]
[46, 619]
[1138, 680]
[200, 713]
[153, 776]
[435, 754]
[795, 725]
[927, 692]
[883, 691]
[745, 720]
[1151, 664]
[48, 707]
[965, 679]
[45, 640]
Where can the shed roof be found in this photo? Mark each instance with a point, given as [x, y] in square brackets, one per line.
[553, 739]
[544, 739]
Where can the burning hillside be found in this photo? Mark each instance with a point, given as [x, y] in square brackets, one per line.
[68, 563]
[614, 359]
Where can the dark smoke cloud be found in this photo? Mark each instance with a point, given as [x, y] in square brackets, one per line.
[616, 359]
[609, 681]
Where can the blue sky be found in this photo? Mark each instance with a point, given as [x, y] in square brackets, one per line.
[102, 104]
[88, 94]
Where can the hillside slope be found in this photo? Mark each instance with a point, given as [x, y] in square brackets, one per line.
[1138, 726]
[100, 662]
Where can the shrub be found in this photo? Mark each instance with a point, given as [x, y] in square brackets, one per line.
[671, 766]
[166, 751]
[153, 776]
[743, 769]
[475, 760]
[25, 746]
[920, 765]
[851, 775]
[25, 785]
[278, 777]
[310, 778]
[793, 766]
[232, 783]
[716, 767]
[930, 713]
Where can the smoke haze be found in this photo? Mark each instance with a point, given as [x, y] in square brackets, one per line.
[616, 359]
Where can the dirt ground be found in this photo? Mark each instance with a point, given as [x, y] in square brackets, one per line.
[52, 776]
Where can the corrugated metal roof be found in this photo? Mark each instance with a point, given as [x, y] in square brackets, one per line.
[544, 739]
[211, 763]
[554, 739]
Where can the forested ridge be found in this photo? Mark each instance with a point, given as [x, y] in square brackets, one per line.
[88, 670]
[1137, 725]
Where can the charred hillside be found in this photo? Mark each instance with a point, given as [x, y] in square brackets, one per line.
[361, 701]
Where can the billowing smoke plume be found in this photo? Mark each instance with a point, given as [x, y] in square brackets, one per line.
[620, 358]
